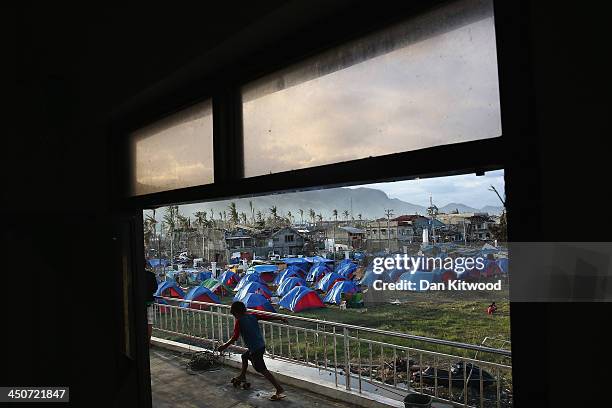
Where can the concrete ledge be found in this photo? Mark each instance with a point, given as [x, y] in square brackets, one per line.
[294, 375]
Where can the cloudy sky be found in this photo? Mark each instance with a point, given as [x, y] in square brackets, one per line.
[467, 189]
[440, 90]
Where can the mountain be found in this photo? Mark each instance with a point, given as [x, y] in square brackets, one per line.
[370, 203]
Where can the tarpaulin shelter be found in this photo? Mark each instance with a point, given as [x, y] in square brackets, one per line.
[328, 281]
[258, 302]
[200, 294]
[340, 288]
[317, 272]
[301, 263]
[301, 298]
[229, 279]
[289, 283]
[253, 287]
[370, 276]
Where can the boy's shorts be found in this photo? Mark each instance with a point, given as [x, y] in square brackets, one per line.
[256, 358]
[150, 314]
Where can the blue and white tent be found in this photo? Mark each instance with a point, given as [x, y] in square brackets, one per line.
[253, 287]
[335, 294]
[317, 272]
[289, 283]
[328, 281]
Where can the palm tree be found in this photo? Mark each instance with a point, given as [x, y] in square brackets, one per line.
[320, 217]
[312, 214]
[335, 213]
[233, 213]
[290, 217]
[301, 216]
[252, 211]
[149, 228]
[346, 215]
[259, 216]
[170, 220]
[273, 212]
[244, 217]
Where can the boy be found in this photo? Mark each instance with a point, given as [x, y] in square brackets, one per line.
[246, 326]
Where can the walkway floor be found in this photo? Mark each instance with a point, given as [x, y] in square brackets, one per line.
[173, 386]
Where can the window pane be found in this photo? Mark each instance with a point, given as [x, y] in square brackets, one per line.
[174, 152]
[430, 81]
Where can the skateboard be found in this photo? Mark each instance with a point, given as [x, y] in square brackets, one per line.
[237, 382]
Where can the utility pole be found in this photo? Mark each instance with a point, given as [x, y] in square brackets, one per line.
[388, 213]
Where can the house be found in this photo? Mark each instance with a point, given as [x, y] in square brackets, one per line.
[287, 241]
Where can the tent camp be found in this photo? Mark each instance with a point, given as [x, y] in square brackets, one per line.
[317, 272]
[289, 283]
[229, 279]
[292, 270]
[340, 288]
[199, 294]
[253, 287]
[328, 281]
[170, 289]
[301, 263]
[257, 302]
[301, 298]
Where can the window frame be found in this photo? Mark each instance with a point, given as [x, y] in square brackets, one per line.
[516, 149]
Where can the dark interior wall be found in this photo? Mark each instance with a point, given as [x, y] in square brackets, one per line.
[74, 67]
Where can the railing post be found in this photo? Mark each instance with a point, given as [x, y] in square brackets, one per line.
[347, 360]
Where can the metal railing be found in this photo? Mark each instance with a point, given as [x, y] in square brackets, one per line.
[360, 358]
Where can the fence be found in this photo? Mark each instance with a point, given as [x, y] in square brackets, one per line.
[359, 358]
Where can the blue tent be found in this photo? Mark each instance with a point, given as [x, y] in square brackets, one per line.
[258, 302]
[246, 279]
[416, 278]
[289, 283]
[229, 278]
[253, 287]
[502, 263]
[358, 256]
[346, 270]
[369, 276]
[301, 263]
[328, 280]
[301, 298]
[169, 289]
[157, 262]
[291, 270]
[335, 294]
[262, 268]
[318, 259]
[341, 264]
[200, 294]
[317, 272]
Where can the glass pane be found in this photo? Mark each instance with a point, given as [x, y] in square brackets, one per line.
[174, 152]
[430, 81]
